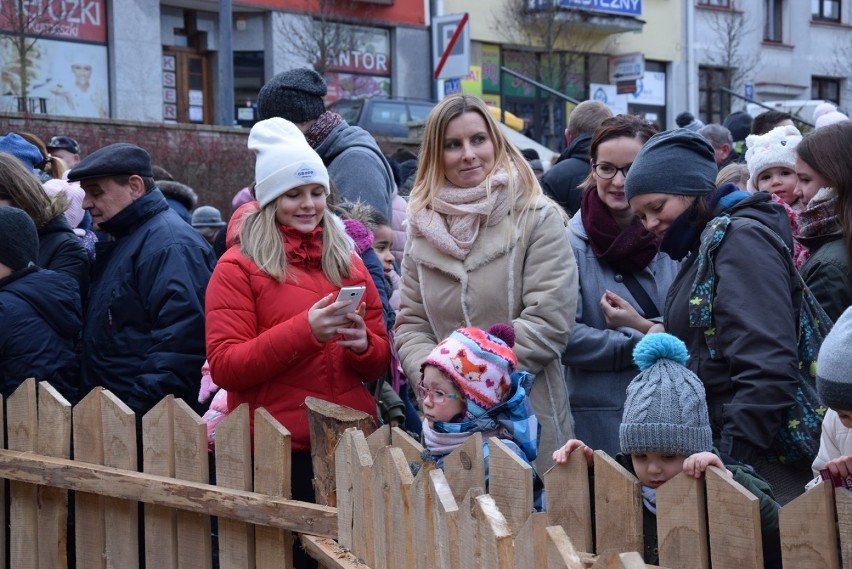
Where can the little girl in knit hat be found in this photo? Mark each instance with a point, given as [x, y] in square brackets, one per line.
[469, 384]
[665, 430]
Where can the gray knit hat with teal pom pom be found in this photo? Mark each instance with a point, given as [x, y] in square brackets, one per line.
[666, 410]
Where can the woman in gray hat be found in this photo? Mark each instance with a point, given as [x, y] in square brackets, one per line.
[734, 301]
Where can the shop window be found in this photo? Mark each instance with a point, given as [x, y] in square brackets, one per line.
[709, 97]
[248, 80]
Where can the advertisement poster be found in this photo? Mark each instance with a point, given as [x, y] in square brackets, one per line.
[362, 71]
[65, 78]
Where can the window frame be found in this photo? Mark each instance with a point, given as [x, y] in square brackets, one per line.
[773, 23]
[818, 10]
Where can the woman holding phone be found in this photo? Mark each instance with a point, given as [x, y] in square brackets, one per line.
[275, 331]
[485, 245]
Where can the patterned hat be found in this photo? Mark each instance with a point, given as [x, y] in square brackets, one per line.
[775, 148]
[665, 410]
[479, 363]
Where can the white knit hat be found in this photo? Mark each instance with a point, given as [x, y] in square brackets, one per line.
[284, 160]
[775, 148]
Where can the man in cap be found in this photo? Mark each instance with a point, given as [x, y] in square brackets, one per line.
[66, 148]
[355, 162]
[143, 336]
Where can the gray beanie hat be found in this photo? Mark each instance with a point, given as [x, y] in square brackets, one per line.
[833, 380]
[295, 95]
[665, 410]
[18, 239]
[677, 161]
[207, 216]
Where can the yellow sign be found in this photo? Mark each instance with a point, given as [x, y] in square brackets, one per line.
[472, 83]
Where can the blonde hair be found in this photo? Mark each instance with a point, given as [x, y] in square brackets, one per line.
[431, 176]
[733, 173]
[22, 190]
[262, 242]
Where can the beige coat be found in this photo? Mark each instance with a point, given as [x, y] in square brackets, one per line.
[525, 277]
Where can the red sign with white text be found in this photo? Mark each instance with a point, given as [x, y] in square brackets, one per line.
[83, 20]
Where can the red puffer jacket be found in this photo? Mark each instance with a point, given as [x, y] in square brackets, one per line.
[261, 347]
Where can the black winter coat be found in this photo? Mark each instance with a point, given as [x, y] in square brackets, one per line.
[562, 181]
[144, 332]
[41, 321]
[827, 273]
[755, 314]
[60, 250]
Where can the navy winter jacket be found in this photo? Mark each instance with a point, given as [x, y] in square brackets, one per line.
[60, 250]
[144, 332]
[41, 321]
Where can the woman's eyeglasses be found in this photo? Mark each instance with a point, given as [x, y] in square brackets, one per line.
[608, 171]
[438, 396]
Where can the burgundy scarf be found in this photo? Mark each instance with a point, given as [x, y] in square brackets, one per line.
[627, 250]
[322, 127]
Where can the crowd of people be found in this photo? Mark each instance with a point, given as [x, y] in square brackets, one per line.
[643, 297]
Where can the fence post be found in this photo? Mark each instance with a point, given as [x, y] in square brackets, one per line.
[233, 470]
[618, 507]
[272, 477]
[22, 417]
[569, 500]
[54, 439]
[682, 524]
[808, 530]
[510, 483]
[89, 530]
[734, 523]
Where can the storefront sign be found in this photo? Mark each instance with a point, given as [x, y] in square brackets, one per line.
[370, 53]
[61, 19]
[620, 7]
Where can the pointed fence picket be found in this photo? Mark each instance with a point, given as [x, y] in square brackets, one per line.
[393, 509]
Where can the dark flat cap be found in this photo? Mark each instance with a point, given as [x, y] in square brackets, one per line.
[119, 159]
[62, 142]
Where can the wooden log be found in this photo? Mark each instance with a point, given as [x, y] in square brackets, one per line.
[158, 457]
[808, 530]
[465, 467]
[510, 484]
[569, 500]
[423, 523]
[89, 531]
[22, 426]
[618, 507]
[54, 439]
[531, 542]
[445, 519]
[121, 516]
[468, 543]
[272, 477]
[843, 504]
[495, 534]
[327, 421]
[682, 524]
[234, 470]
[560, 551]
[734, 523]
[249, 507]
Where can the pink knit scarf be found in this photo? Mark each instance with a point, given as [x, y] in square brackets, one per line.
[452, 221]
[444, 443]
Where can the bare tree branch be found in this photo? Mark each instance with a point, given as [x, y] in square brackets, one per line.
[727, 50]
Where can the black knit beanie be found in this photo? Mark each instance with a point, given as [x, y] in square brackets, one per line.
[295, 95]
[18, 239]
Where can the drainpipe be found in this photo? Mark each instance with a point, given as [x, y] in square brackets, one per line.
[691, 66]
[225, 112]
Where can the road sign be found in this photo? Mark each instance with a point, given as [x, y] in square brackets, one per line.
[626, 67]
[452, 86]
[450, 46]
[749, 91]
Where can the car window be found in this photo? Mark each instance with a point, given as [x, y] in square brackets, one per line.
[349, 110]
[419, 111]
[387, 112]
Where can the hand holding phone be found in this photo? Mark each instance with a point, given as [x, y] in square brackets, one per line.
[353, 294]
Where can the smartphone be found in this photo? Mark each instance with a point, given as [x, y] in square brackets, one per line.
[353, 294]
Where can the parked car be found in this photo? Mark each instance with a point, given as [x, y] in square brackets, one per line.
[383, 117]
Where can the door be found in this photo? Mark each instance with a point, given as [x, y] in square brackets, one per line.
[191, 100]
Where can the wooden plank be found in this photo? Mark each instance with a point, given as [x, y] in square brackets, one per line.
[808, 530]
[362, 505]
[682, 523]
[614, 560]
[54, 439]
[560, 551]
[397, 480]
[22, 427]
[531, 542]
[192, 462]
[379, 438]
[190, 496]
[272, 477]
[326, 423]
[445, 518]
[384, 541]
[465, 467]
[161, 541]
[329, 553]
[343, 472]
[618, 507]
[569, 500]
[468, 544]
[411, 448]
[734, 523]
[233, 470]
[121, 517]
[843, 504]
[510, 483]
[423, 523]
[495, 534]
[89, 531]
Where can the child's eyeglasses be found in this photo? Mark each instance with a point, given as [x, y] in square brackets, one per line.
[438, 396]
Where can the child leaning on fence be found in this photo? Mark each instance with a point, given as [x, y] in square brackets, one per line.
[834, 384]
[469, 385]
[665, 430]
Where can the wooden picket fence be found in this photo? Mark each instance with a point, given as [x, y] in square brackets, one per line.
[387, 517]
